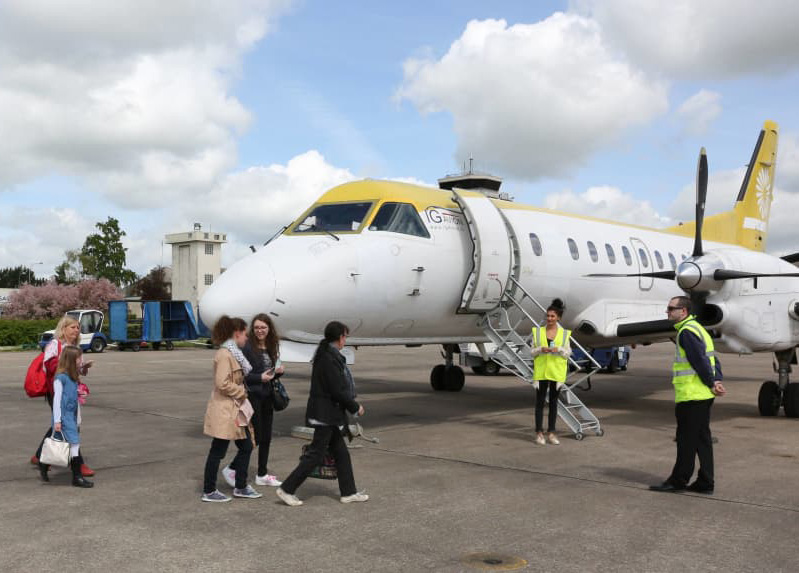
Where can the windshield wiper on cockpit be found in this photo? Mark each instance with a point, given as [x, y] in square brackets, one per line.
[321, 228]
[276, 235]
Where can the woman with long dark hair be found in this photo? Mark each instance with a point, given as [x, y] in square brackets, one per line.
[263, 352]
[551, 351]
[332, 394]
[222, 415]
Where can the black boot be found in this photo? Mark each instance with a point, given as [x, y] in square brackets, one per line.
[77, 479]
[43, 469]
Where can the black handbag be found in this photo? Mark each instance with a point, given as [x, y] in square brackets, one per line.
[280, 398]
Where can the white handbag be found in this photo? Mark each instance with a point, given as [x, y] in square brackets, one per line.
[55, 452]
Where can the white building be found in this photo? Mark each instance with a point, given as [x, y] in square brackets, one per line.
[196, 263]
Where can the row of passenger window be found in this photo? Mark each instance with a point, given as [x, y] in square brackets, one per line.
[535, 242]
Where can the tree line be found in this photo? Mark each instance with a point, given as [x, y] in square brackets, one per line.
[96, 272]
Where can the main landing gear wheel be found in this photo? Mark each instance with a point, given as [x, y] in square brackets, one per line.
[454, 379]
[768, 399]
[447, 378]
[790, 400]
[437, 377]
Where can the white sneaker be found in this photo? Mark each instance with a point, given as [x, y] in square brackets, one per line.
[268, 479]
[229, 475]
[355, 497]
[553, 439]
[539, 439]
[288, 498]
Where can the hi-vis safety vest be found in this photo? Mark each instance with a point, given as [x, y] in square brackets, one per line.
[550, 366]
[687, 383]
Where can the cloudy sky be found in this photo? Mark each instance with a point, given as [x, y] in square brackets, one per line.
[238, 114]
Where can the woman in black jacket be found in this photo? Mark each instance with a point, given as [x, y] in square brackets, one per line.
[332, 393]
[262, 352]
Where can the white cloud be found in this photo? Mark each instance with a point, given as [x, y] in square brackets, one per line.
[130, 96]
[699, 111]
[533, 100]
[609, 203]
[707, 40]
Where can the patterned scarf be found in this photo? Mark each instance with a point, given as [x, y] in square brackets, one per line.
[246, 367]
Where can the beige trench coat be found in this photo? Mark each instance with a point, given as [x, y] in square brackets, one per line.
[228, 393]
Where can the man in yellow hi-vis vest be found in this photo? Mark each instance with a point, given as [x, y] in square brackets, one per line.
[696, 375]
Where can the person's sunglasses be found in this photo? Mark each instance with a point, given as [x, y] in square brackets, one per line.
[670, 308]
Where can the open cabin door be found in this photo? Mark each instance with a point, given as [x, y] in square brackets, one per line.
[493, 256]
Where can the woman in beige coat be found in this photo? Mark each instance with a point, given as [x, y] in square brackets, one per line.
[222, 420]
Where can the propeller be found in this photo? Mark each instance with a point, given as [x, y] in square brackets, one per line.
[725, 275]
[701, 196]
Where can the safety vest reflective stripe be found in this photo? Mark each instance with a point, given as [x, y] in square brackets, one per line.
[549, 366]
[687, 383]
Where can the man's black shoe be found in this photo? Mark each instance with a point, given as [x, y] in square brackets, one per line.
[667, 486]
[700, 488]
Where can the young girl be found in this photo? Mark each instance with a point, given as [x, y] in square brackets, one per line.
[66, 412]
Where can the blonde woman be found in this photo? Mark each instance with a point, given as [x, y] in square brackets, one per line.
[67, 333]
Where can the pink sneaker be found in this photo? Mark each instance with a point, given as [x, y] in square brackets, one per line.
[269, 480]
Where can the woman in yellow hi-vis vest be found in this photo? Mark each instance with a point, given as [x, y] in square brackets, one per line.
[551, 351]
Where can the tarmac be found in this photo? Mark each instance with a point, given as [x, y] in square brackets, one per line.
[456, 482]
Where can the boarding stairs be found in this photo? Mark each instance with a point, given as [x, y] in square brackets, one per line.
[507, 309]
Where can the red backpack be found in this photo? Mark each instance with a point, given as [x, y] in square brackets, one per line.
[37, 382]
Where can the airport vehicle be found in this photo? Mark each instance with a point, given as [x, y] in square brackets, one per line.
[162, 323]
[406, 264]
[91, 335]
[610, 358]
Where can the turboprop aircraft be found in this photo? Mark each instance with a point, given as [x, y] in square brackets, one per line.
[404, 264]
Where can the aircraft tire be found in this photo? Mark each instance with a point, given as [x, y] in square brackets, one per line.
[479, 370]
[454, 379]
[768, 399]
[437, 377]
[791, 400]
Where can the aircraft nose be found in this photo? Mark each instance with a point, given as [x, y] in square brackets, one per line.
[243, 290]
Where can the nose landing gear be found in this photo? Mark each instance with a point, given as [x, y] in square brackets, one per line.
[447, 376]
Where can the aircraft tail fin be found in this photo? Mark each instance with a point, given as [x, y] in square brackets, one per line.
[747, 224]
[753, 205]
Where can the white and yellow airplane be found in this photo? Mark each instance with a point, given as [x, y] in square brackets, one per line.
[403, 264]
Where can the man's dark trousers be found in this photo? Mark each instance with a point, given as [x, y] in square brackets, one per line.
[693, 438]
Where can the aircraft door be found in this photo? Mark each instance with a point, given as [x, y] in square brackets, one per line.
[645, 262]
[492, 255]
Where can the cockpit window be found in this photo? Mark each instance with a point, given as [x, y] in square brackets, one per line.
[334, 217]
[399, 218]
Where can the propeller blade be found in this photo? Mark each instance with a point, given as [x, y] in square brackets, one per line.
[701, 195]
[655, 275]
[725, 275]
